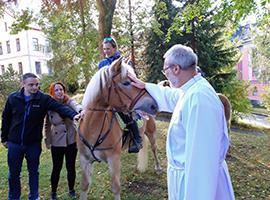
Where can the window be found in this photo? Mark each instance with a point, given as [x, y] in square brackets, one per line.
[50, 71]
[35, 44]
[6, 28]
[47, 46]
[3, 69]
[1, 49]
[38, 67]
[20, 67]
[18, 45]
[8, 46]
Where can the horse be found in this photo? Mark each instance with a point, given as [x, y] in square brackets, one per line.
[224, 100]
[100, 132]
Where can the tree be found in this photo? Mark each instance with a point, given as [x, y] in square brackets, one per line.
[261, 54]
[266, 98]
[106, 10]
[71, 31]
[194, 24]
[73, 39]
[131, 22]
[164, 13]
[9, 82]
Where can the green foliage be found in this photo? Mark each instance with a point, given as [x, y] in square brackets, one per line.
[46, 80]
[164, 14]
[22, 22]
[9, 82]
[195, 25]
[217, 57]
[132, 31]
[237, 93]
[232, 12]
[261, 54]
[266, 98]
[73, 40]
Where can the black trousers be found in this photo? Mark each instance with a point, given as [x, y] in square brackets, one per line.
[58, 154]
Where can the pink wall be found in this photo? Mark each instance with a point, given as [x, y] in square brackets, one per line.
[244, 68]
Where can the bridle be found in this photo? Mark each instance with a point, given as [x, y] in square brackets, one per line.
[118, 91]
[103, 134]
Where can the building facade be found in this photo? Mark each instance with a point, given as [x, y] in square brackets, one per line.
[27, 51]
[245, 68]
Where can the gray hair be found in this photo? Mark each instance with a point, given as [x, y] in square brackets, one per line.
[182, 55]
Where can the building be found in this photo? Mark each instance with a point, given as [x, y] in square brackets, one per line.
[244, 67]
[27, 51]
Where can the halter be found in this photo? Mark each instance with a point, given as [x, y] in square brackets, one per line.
[118, 90]
[102, 135]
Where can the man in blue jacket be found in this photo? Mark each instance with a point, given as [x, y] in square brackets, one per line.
[22, 124]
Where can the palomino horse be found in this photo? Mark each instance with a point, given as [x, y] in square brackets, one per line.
[225, 101]
[110, 91]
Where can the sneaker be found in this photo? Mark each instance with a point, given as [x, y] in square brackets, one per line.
[53, 196]
[72, 194]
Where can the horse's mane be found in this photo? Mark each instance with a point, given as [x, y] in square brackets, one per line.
[93, 88]
[102, 78]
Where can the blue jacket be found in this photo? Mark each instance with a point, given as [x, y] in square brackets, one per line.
[22, 122]
[108, 61]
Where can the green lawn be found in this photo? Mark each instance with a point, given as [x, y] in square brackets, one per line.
[248, 159]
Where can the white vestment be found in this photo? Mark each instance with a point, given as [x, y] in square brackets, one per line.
[197, 141]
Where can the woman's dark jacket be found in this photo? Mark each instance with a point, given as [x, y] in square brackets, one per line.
[22, 122]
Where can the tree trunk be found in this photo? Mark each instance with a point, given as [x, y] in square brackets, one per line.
[131, 34]
[106, 10]
[85, 68]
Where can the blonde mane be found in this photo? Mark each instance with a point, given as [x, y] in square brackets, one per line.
[102, 79]
[93, 88]
[125, 68]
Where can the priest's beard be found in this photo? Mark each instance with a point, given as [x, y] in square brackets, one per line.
[174, 81]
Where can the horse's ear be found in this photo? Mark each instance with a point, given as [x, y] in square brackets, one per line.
[116, 65]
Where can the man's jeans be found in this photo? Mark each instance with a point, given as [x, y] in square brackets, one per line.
[16, 153]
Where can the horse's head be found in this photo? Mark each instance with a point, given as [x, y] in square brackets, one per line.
[111, 87]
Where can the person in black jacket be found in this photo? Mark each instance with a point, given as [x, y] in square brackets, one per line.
[22, 124]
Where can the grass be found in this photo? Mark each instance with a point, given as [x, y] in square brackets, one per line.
[248, 160]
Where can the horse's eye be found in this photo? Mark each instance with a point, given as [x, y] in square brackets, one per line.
[126, 83]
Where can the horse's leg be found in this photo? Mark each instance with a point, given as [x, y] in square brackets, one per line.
[114, 165]
[143, 156]
[152, 136]
[86, 173]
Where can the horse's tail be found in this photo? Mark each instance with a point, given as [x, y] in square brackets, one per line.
[142, 159]
[227, 108]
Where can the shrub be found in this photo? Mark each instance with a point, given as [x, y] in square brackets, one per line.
[9, 82]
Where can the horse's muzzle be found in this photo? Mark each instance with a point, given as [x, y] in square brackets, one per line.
[148, 105]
